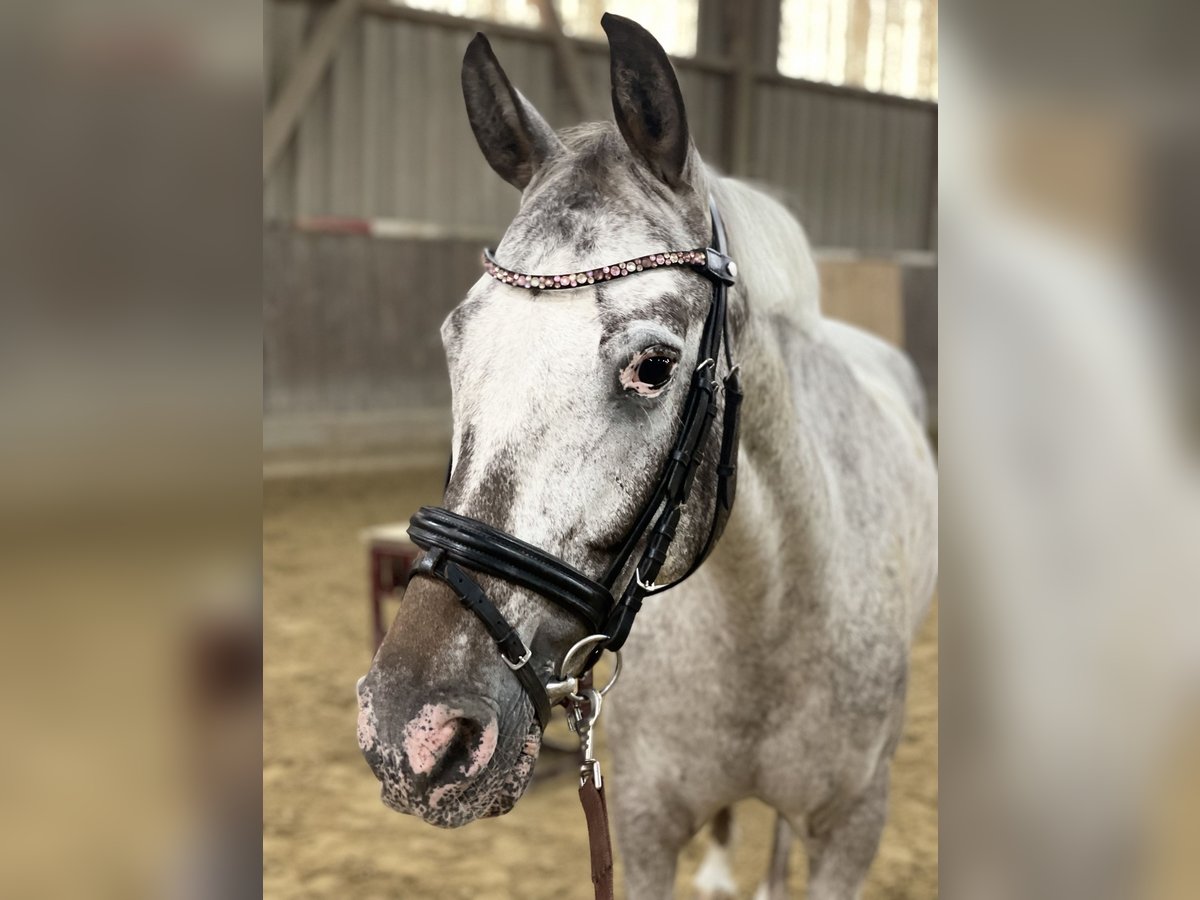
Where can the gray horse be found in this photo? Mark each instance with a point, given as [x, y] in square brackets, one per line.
[778, 670]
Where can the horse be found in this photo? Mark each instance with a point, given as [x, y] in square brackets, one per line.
[778, 669]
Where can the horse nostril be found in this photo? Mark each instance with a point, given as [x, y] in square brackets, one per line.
[448, 744]
[465, 735]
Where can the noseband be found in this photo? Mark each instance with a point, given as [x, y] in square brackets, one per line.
[458, 545]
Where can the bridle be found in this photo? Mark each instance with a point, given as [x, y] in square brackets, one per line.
[456, 545]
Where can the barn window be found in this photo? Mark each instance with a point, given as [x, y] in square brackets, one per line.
[510, 12]
[673, 22]
[881, 45]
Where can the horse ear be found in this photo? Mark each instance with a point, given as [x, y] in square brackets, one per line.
[513, 136]
[647, 102]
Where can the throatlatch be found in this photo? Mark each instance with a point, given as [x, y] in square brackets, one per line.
[458, 545]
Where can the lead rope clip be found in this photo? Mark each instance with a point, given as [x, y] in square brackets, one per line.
[584, 726]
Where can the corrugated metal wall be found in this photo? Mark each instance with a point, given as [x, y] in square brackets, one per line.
[858, 173]
[386, 135]
[351, 323]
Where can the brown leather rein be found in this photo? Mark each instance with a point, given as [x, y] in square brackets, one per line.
[581, 713]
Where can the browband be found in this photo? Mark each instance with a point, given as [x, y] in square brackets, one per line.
[698, 258]
[455, 542]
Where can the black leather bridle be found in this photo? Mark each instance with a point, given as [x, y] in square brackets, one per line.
[456, 546]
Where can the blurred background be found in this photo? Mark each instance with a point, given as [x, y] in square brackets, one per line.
[198, 354]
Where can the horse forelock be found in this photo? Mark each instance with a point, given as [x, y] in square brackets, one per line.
[596, 203]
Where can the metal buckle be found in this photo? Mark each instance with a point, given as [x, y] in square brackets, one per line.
[430, 559]
[519, 663]
[648, 587]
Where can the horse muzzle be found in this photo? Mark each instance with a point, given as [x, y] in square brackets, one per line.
[450, 761]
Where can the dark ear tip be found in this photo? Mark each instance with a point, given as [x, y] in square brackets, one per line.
[628, 32]
[479, 44]
[478, 55]
[610, 22]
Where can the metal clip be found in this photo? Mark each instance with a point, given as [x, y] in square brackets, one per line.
[560, 690]
[585, 728]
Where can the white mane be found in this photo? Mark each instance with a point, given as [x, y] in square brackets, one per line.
[775, 261]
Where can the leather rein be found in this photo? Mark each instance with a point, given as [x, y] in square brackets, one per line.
[458, 548]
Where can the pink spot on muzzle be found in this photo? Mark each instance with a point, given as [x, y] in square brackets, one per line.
[368, 734]
[429, 734]
[482, 754]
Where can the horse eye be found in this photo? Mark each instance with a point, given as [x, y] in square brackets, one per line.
[649, 371]
[655, 370]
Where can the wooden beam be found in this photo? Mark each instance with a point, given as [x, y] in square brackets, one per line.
[305, 76]
[568, 61]
[766, 35]
[712, 39]
[844, 90]
[744, 21]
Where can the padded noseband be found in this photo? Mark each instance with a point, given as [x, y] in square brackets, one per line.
[485, 549]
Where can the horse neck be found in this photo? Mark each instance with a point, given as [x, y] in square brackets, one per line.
[782, 491]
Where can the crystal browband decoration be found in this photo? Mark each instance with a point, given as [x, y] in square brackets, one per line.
[591, 276]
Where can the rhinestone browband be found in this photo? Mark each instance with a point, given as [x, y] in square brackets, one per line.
[591, 276]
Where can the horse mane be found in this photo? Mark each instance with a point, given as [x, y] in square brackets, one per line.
[775, 261]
